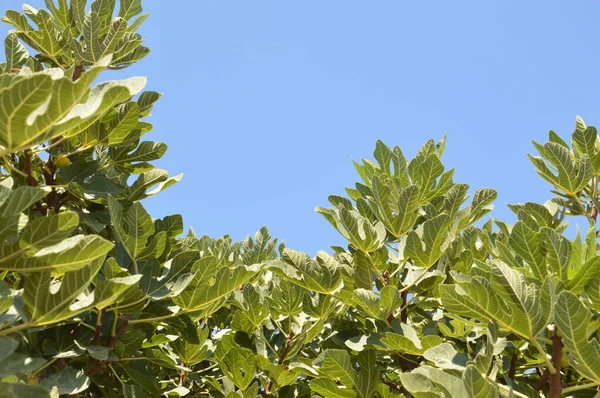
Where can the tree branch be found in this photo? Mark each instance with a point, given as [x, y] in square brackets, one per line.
[555, 379]
[119, 332]
[286, 349]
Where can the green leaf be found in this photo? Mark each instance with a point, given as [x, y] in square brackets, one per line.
[253, 311]
[535, 302]
[322, 275]
[42, 105]
[363, 270]
[190, 353]
[202, 292]
[454, 198]
[18, 363]
[584, 140]
[285, 300]
[49, 230]
[107, 292]
[62, 13]
[132, 226]
[130, 8]
[336, 365]
[69, 255]
[573, 174]
[239, 364]
[100, 353]
[8, 345]
[16, 53]
[477, 386]
[424, 170]
[426, 379]
[419, 385]
[397, 209]
[140, 374]
[379, 306]
[383, 154]
[445, 356]
[15, 390]
[158, 177]
[479, 299]
[47, 301]
[558, 253]
[46, 40]
[368, 374]
[160, 282]
[328, 388]
[585, 273]
[573, 320]
[20, 199]
[360, 232]
[133, 391]
[120, 128]
[527, 244]
[404, 339]
[426, 245]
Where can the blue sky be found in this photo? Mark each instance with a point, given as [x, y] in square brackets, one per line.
[266, 103]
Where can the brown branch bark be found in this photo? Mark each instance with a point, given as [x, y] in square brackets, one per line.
[94, 366]
[77, 72]
[30, 180]
[119, 332]
[397, 388]
[543, 380]
[404, 313]
[282, 356]
[53, 199]
[555, 379]
[512, 369]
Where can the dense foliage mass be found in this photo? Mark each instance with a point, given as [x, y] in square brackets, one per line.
[99, 299]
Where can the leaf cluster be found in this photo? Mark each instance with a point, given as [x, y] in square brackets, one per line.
[428, 298]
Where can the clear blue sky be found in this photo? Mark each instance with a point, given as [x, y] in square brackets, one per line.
[267, 102]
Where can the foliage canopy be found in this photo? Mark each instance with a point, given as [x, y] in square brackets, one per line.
[97, 298]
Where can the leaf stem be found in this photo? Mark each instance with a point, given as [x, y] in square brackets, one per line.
[158, 318]
[578, 387]
[98, 328]
[506, 388]
[413, 283]
[578, 202]
[409, 302]
[15, 329]
[119, 332]
[377, 273]
[51, 145]
[545, 340]
[113, 328]
[50, 362]
[116, 374]
[9, 167]
[549, 364]
[260, 331]
[211, 367]
[87, 326]
[280, 328]
[389, 246]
